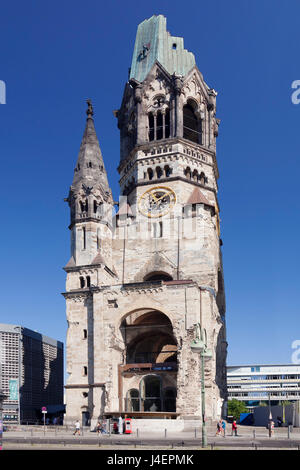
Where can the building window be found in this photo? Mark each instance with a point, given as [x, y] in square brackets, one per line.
[88, 281]
[168, 171]
[150, 174]
[159, 125]
[157, 229]
[83, 238]
[151, 126]
[82, 282]
[85, 371]
[159, 172]
[192, 126]
[98, 240]
[84, 334]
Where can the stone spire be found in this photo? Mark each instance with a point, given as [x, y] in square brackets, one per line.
[90, 171]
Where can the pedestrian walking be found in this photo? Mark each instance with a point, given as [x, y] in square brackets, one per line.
[223, 427]
[270, 427]
[98, 427]
[120, 425]
[234, 428]
[219, 427]
[77, 428]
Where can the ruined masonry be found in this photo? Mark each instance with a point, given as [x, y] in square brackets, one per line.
[145, 275]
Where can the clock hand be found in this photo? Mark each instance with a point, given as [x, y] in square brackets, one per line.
[161, 197]
[155, 198]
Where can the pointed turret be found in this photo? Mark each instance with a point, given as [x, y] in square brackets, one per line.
[90, 200]
[90, 190]
[90, 169]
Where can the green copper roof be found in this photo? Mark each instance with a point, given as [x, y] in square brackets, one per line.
[153, 42]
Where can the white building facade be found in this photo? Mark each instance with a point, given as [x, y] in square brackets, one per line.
[254, 384]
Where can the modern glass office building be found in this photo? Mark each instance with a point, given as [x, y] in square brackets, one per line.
[31, 373]
[256, 384]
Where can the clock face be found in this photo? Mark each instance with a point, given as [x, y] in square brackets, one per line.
[157, 202]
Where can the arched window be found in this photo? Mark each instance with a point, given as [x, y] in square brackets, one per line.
[202, 178]
[188, 173]
[191, 125]
[195, 175]
[168, 171]
[151, 126]
[84, 206]
[159, 172]
[88, 281]
[159, 126]
[82, 282]
[150, 173]
[133, 400]
[167, 123]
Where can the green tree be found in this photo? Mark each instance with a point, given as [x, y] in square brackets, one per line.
[236, 407]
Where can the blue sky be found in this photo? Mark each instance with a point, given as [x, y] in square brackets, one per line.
[54, 55]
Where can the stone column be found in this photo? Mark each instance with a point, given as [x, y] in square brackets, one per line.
[139, 115]
[178, 109]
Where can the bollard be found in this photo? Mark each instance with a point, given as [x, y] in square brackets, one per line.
[288, 431]
[195, 433]
[137, 432]
[211, 447]
[165, 433]
[253, 433]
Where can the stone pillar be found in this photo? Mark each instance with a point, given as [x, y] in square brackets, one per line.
[178, 108]
[139, 112]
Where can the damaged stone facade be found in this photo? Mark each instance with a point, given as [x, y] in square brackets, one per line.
[144, 272]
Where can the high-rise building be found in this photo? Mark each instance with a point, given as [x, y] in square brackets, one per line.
[31, 373]
[146, 283]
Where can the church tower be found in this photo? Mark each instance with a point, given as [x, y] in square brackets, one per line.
[155, 292]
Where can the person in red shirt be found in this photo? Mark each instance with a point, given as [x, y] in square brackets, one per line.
[234, 428]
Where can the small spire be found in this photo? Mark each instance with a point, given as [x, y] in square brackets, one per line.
[89, 111]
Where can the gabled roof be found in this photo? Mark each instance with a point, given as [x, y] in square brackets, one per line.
[71, 263]
[197, 197]
[125, 209]
[98, 259]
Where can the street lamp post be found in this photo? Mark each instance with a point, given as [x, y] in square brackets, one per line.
[199, 345]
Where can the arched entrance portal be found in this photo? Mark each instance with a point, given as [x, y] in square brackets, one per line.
[149, 376]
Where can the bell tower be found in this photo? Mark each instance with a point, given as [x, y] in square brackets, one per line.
[155, 293]
[168, 172]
